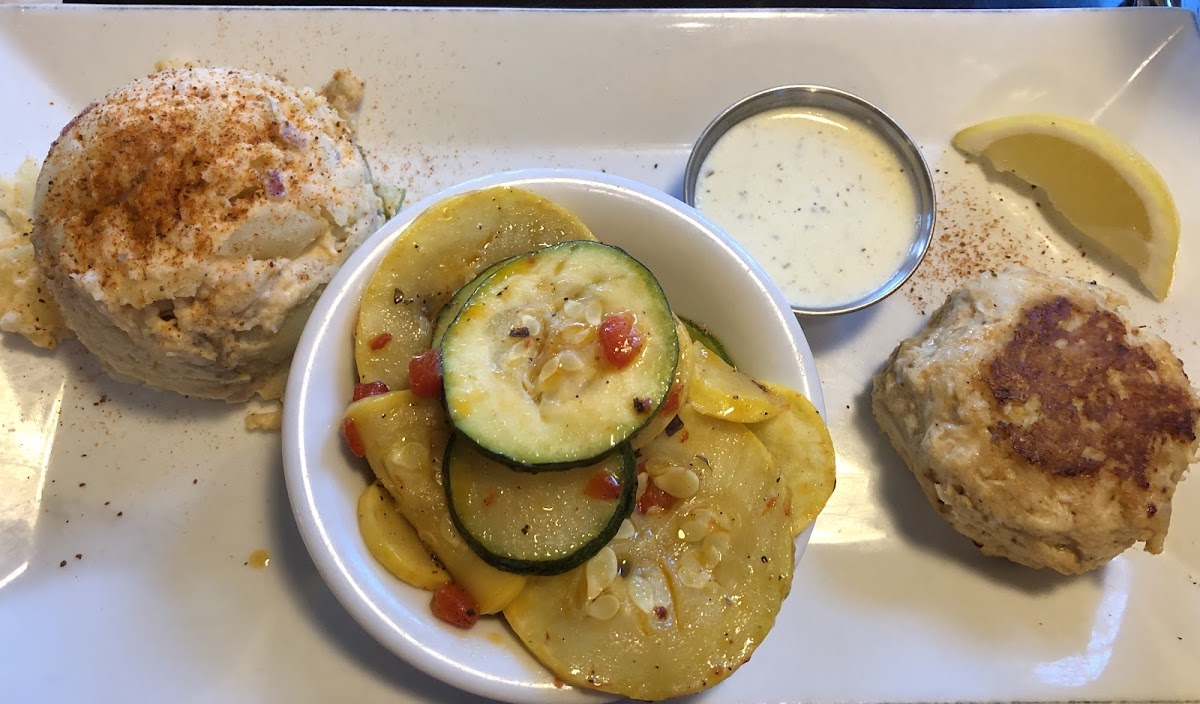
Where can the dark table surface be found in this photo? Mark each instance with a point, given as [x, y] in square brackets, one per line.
[884, 4]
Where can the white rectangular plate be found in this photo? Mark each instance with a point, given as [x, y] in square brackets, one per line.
[152, 504]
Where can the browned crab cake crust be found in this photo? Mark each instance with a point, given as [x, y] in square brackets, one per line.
[1040, 423]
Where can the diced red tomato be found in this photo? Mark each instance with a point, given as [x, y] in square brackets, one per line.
[380, 341]
[455, 606]
[653, 496]
[425, 374]
[604, 486]
[370, 388]
[353, 439]
[620, 340]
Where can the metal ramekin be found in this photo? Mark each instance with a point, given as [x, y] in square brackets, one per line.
[855, 108]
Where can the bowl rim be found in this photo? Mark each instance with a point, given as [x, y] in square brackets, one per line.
[343, 290]
[862, 111]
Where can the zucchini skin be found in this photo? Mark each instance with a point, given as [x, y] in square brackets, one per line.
[450, 311]
[706, 338]
[622, 509]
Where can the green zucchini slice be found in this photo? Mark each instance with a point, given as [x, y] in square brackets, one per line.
[526, 372]
[546, 523]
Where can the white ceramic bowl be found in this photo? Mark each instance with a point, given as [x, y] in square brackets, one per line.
[707, 277]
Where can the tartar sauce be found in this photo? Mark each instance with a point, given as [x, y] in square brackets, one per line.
[821, 200]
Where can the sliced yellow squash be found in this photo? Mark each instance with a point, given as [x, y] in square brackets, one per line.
[405, 439]
[799, 441]
[394, 543]
[682, 596]
[443, 249]
[684, 369]
[720, 391]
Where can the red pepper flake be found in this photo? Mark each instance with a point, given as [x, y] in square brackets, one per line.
[641, 405]
[370, 388]
[489, 499]
[660, 612]
[380, 341]
[353, 439]
[425, 374]
[603, 485]
[452, 604]
[620, 340]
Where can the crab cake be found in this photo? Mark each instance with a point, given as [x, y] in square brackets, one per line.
[1039, 423]
[187, 222]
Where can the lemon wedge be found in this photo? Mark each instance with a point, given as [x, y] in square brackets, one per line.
[1095, 180]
